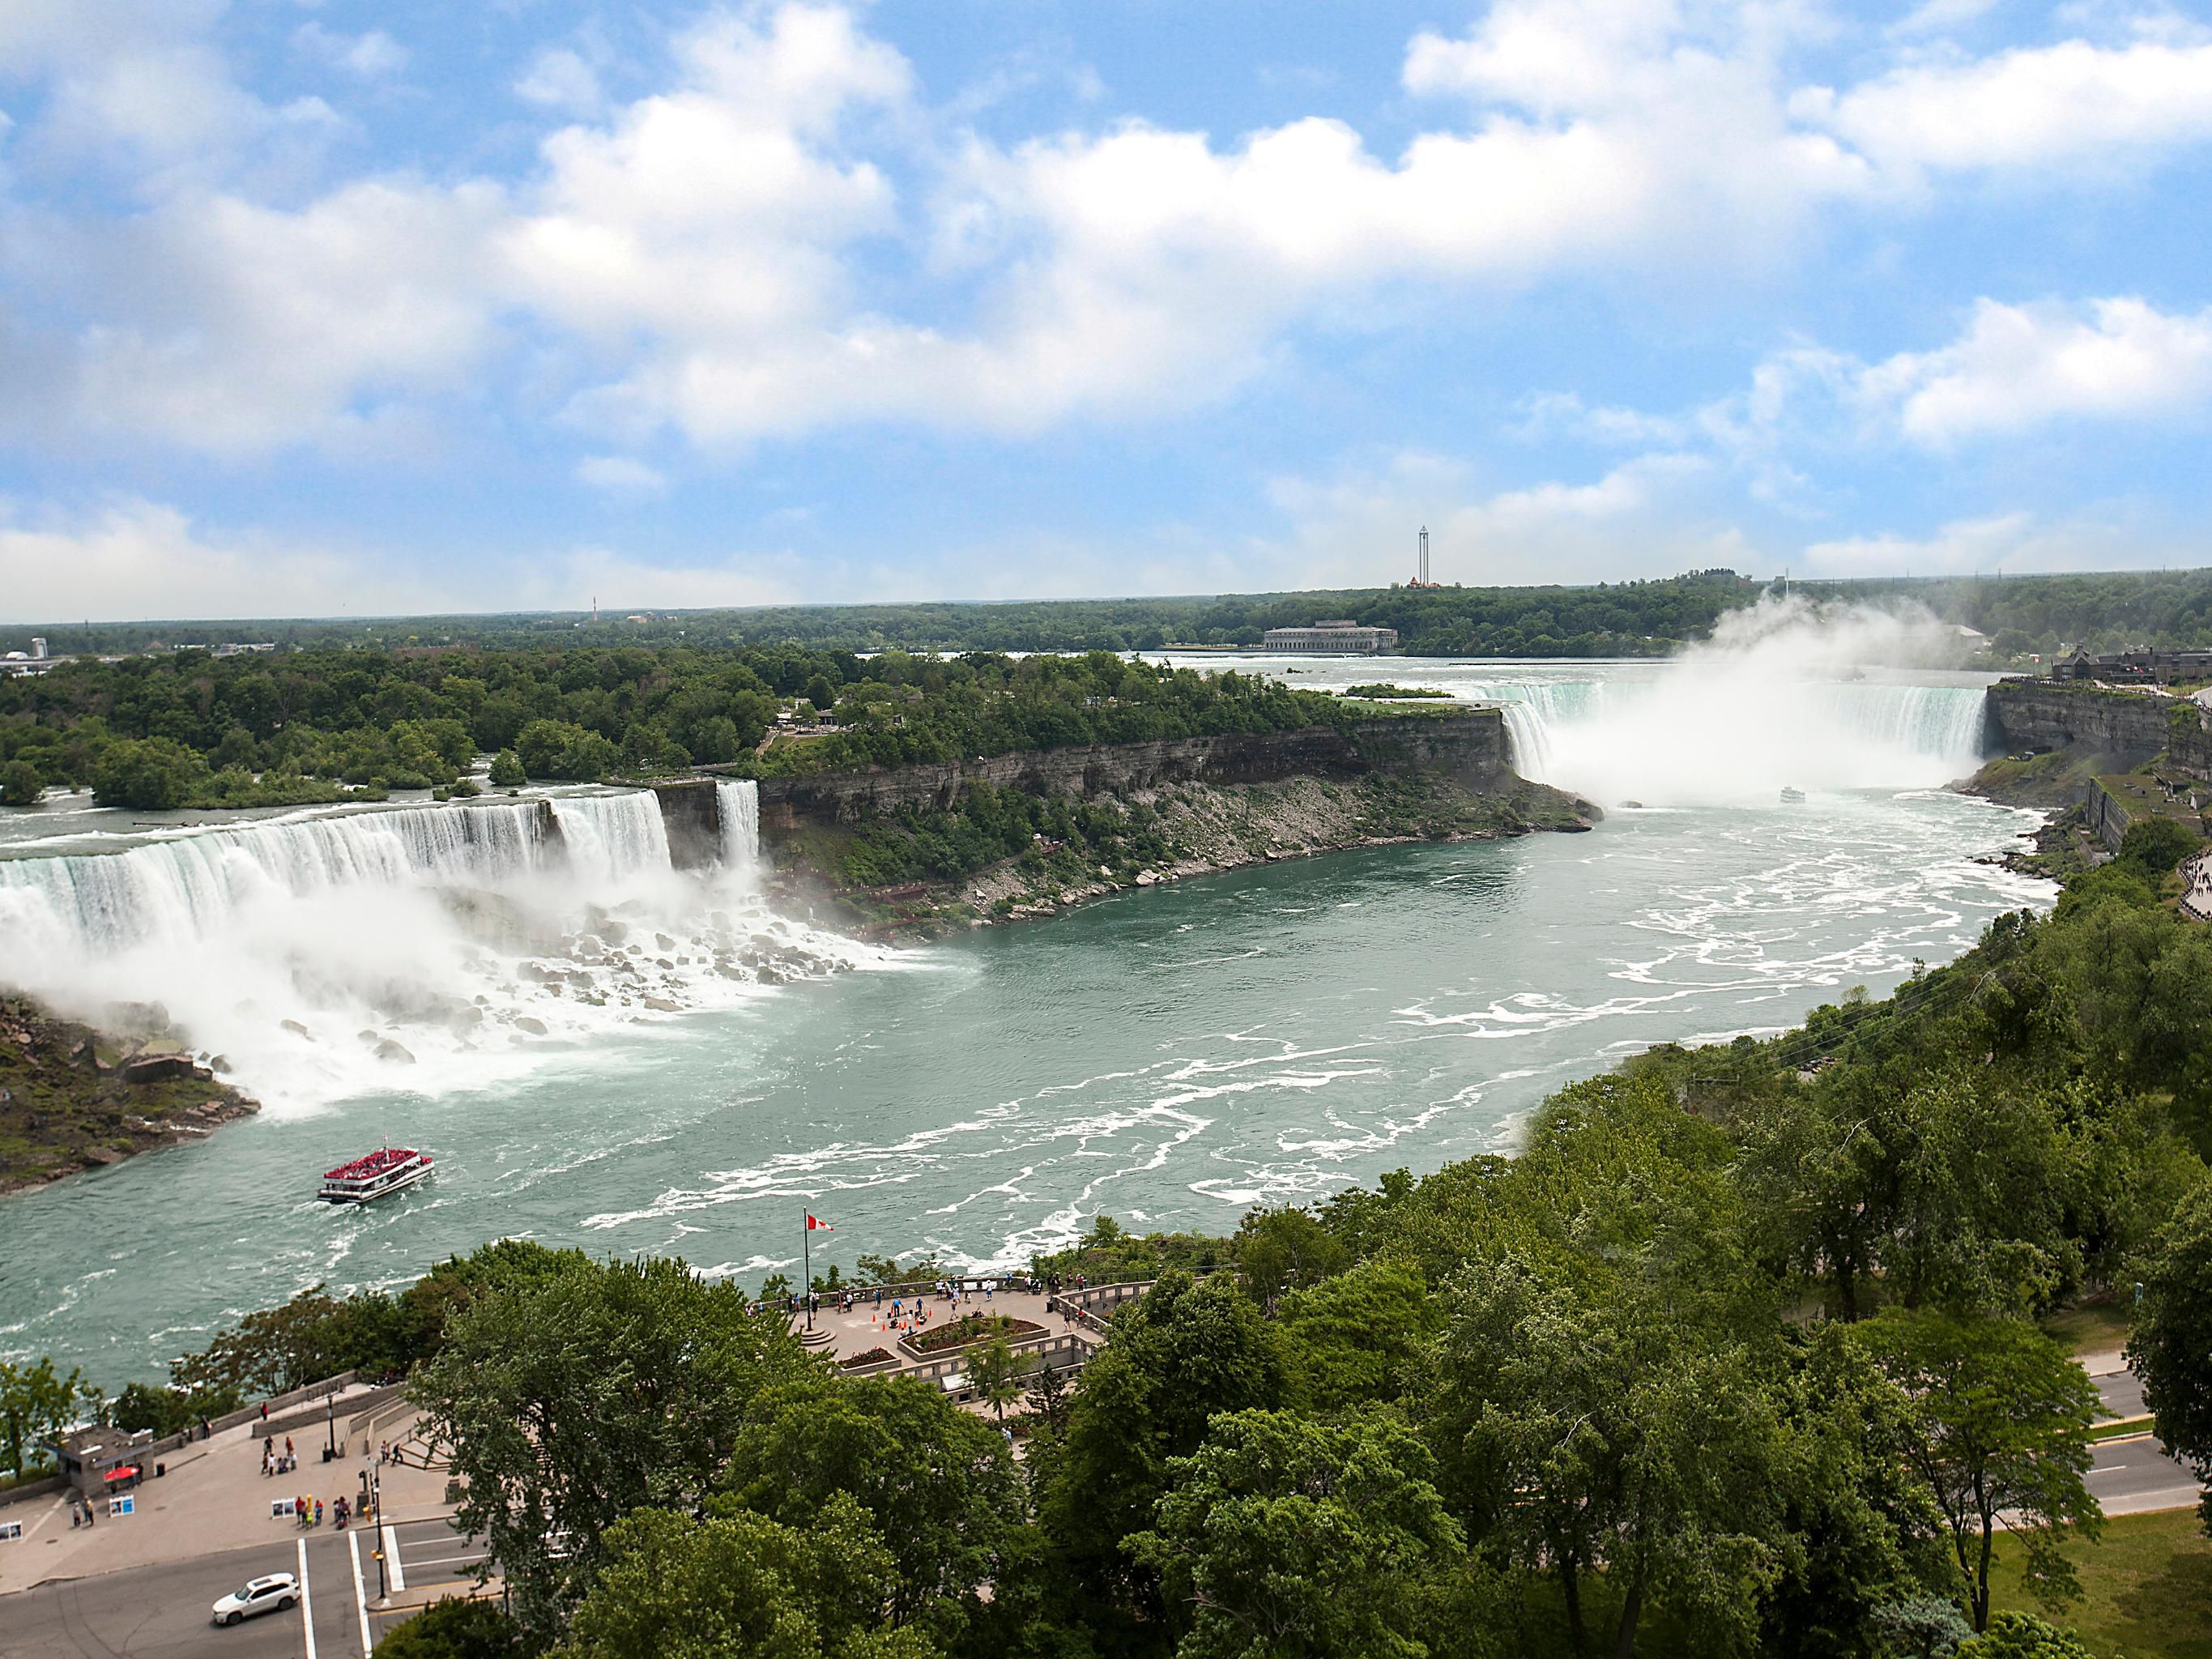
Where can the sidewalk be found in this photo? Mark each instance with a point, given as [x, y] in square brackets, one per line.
[870, 1326]
[213, 1499]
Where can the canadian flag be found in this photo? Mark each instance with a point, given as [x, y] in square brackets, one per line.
[815, 1224]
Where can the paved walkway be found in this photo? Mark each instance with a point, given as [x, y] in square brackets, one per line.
[213, 1498]
[870, 1326]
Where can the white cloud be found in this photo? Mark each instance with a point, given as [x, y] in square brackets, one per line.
[2018, 367]
[717, 258]
[252, 328]
[2015, 543]
[619, 473]
[561, 79]
[136, 559]
[1941, 17]
[372, 55]
[2072, 104]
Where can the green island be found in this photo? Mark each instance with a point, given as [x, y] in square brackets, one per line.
[1762, 1348]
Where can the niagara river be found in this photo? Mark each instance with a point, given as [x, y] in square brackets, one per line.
[603, 1051]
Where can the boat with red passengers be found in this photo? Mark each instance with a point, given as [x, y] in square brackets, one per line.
[386, 1169]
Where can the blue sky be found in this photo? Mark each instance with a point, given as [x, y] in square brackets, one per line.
[327, 307]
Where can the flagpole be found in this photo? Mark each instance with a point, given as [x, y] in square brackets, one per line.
[806, 1264]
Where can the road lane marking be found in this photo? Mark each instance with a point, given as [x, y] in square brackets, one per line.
[392, 1568]
[449, 1560]
[306, 1601]
[359, 1594]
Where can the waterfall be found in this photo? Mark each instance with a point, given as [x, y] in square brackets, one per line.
[611, 838]
[185, 887]
[1715, 732]
[737, 802]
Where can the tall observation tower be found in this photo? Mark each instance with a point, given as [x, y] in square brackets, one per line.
[1421, 580]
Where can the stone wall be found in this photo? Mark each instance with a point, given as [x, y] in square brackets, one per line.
[1469, 745]
[2036, 714]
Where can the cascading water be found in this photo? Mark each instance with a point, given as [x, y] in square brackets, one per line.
[327, 954]
[738, 803]
[186, 887]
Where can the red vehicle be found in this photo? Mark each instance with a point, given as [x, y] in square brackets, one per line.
[384, 1170]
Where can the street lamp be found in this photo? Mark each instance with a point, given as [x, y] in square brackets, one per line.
[331, 1409]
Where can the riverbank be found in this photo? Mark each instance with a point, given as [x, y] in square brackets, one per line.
[73, 1098]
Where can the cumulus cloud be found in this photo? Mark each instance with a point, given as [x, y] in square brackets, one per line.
[251, 327]
[787, 237]
[2018, 367]
[2074, 104]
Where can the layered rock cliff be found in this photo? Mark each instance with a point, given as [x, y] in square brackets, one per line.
[1470, 746]
[2039, 714]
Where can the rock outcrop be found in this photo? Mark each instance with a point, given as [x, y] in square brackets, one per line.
[1470, 746]
[73, 1097]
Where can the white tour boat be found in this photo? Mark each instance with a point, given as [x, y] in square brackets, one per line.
[384, 1170]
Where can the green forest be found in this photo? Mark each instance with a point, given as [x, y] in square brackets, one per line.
[2023, 614]
[192, 729]
[1750, 1350]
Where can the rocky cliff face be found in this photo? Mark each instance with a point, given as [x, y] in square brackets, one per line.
[2037, 714]
[1467, 745]
[692, 814]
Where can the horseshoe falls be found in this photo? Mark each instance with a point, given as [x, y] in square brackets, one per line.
[609, 1051]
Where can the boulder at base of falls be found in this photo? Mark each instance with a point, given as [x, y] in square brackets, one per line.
[388, 1049]
[665, 1005]
[159, 1067]
[530, 1023]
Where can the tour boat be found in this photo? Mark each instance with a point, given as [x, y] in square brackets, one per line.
[1790, 796]
[384, 1170]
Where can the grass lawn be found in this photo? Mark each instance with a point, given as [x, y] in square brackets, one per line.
[2147, 1585]
[2094, 1327]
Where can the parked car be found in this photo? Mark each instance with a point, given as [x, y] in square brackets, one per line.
[269, 1593]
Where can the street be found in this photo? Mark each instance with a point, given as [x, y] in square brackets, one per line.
[164, 1609]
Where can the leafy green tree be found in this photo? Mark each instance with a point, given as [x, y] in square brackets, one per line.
[994, 1372]
[36, 1403]
[1188, 1349]
[1999, 1434]
[2170, 1345]
[2153, 848]
[1283, 1536]
[1610, 1427]
[1050, 1396]
[2022, 1636]
[730, 1583]
[454, 1628]
[506, 771]
[153, 775]
[563, 749]
[1286, 1249]
[1352, 1339]
[573, 1398]
[936, 1483]
[21, 784]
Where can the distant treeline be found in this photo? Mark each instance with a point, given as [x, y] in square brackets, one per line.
[187, 728]
[1624, 619]
[1636, 619]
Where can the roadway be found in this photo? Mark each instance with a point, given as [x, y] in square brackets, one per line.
[161, 1612]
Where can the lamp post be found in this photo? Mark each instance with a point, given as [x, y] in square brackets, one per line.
[330, 1410]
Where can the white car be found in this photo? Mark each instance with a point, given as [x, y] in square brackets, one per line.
[268, 1594]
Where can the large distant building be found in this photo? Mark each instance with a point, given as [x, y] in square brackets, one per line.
[2136, 667]
[1343, 638]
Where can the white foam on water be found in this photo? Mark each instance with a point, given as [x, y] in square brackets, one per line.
[427, 949]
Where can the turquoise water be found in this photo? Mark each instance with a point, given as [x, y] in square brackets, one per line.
[1170, 1057]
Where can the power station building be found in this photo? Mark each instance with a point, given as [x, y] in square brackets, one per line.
[1331, 639]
